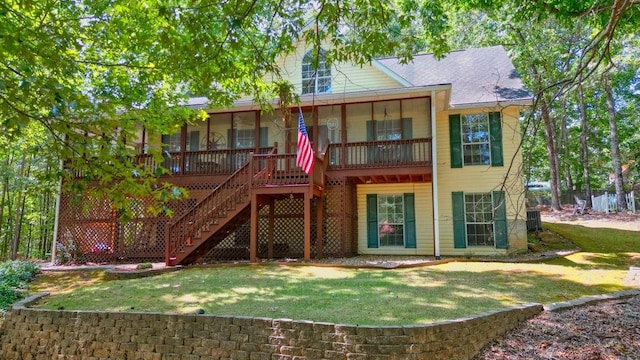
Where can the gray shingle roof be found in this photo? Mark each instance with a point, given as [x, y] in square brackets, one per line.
[481, 75]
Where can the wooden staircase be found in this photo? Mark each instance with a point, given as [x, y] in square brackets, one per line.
[228, 206]
[209, 222]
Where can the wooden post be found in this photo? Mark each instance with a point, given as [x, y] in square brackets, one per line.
[271, 227]
[167, 241]
[319, 226]
[253, 242]
[307, 225]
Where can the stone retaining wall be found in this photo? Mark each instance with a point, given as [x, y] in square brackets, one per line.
[30, 333]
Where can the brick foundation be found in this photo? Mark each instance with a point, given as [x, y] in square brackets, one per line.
[30, 333]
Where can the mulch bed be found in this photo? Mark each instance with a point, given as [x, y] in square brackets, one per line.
[606, 330]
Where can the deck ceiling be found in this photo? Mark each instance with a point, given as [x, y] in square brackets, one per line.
[388, 175]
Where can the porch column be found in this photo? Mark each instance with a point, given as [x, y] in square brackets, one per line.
[307, 226]
[253, 242]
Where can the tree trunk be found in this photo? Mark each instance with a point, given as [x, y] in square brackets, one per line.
[584, 148]
[552, 155]
[2, 198]
[615, 147]
[25, 169]
[563, 146]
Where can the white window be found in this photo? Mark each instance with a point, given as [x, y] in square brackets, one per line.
[475, 139]
[245, 139]
[316, 76]
[171, 143]
[479, 219]
[390, 220]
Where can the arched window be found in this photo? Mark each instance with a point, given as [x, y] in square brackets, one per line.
[315, 79]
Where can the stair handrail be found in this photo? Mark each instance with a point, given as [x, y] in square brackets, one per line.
[194, 220]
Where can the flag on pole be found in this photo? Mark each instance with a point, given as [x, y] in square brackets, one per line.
[304, 158]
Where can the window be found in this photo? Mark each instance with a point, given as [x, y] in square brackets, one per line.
[476, 139]
[389, 130]
[479, 219]
[391, 220]
[316, 77]
[245, 139]
[171, 143]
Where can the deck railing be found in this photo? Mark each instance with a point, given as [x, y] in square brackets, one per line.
[224, 197]
[364, 154]
[384, 153]
[282, 171]
[206, 162]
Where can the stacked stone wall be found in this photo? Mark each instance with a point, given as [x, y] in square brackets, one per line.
[31, 333]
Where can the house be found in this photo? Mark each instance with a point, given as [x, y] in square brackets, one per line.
[411, 159]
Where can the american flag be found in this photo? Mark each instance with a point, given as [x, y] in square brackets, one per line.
[304, 158]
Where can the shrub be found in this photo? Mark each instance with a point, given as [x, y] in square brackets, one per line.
[14, 275]
[144, 266]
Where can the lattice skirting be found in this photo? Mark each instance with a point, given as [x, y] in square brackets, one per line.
[90, 230]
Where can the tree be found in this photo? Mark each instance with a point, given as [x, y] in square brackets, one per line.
[89, 72]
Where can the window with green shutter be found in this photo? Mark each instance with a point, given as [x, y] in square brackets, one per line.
[479, 219]
[391, 220]
[476, 139]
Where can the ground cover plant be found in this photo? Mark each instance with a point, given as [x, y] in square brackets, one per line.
[341, 295]
[14, 275]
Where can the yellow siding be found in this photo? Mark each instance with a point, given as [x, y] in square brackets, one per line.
[482, 179]
[424, 217]
[346, 77]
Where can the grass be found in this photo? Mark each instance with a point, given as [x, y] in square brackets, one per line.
[353, 296]
[601, 247]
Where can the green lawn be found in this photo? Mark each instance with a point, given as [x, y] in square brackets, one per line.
[361, 296]
[602, 248]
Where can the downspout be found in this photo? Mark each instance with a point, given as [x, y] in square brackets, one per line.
[56, 218]
[434, 179]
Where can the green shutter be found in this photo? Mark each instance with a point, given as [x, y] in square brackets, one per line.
[409, 221]
[455, 141]
[495, 132]
[500, 219]
[231, 138]
[372, 221]
[371, 130]
[407, 133]
[194, 140]
[459, 227]
[264, 136]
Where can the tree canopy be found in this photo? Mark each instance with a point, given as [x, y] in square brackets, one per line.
[78, 76]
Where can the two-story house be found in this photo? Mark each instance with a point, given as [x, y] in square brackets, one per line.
[411, 159]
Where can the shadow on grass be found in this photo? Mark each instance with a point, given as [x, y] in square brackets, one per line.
[598, 240]
[380, 297]
[589, 261]
[602, 247]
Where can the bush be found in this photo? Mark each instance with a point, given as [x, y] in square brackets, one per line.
[14, 275]
[144, 266]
